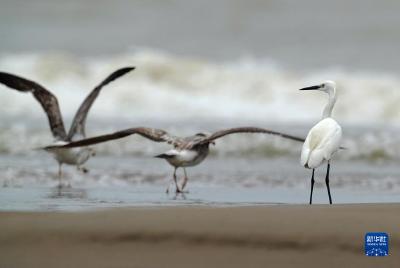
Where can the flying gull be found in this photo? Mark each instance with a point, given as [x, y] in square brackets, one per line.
[49, 103]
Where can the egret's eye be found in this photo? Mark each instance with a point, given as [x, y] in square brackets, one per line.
[322, 85]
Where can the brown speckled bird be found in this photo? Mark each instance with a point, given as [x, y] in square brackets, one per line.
[186, 152]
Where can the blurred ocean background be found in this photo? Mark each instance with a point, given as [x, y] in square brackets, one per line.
[203, 66]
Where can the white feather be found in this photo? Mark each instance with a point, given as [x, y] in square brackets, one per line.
[321, 143]
[71, 156]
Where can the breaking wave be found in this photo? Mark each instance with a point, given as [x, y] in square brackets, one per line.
[165, 86]
[188, 95]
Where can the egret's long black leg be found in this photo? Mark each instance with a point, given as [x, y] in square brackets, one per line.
[327, 182]
[312, 185]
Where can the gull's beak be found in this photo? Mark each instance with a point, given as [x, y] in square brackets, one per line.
[311, 88]
[50, 148]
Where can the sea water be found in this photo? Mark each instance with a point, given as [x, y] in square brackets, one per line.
[242, 66]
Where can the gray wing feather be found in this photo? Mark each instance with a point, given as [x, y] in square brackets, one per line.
[46, 99]
[157, 135]
[79, 122]
[222, 133]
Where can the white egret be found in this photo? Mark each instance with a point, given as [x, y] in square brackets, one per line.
[324, 138]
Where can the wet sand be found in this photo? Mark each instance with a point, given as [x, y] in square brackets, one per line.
[263, 236]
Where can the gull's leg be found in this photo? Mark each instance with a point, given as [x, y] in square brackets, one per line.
[181, 194]
[185, 179]
[169, 184]
[327, 182]
[177, 190]
[312, 185]
[59, 175]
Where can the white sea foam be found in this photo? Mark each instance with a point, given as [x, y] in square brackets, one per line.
[167, 86]
[166, 89]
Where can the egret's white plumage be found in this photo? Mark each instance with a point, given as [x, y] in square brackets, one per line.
[321, 143]
[324, 139]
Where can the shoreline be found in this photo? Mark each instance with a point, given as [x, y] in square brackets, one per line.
[279, 235]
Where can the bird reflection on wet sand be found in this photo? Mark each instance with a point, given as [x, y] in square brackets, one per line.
[68, 192]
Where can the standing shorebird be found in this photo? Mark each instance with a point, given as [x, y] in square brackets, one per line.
[324, 138]
[187, 152]
[49, 103]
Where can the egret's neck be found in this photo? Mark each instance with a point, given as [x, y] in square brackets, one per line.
[331, 102]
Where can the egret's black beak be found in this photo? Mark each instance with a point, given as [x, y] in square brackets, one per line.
[311, 88]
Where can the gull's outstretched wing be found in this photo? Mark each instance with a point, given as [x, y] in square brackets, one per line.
[79, 122]
[224, 132]
[46, 99]
[157, 135]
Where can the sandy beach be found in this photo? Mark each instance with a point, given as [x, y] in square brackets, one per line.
[258, 236]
